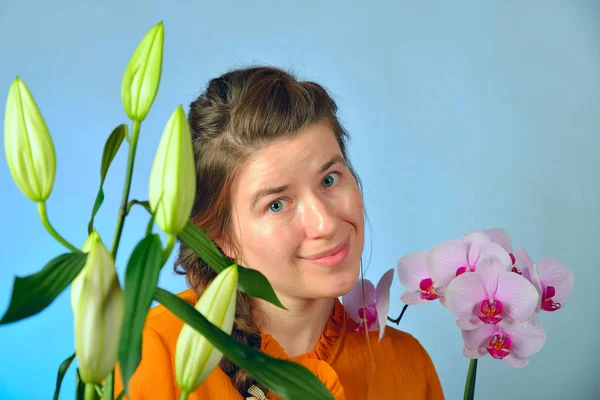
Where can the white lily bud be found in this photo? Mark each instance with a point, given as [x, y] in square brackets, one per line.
[172, 187]
[98, 307]
[28, 145]
[142, 75]
[195, 356]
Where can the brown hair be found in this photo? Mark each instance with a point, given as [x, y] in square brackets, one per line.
[239, 113]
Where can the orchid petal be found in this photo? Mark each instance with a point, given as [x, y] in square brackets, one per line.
[515, 361]
[518, 296]
[475, 240]
[412, 269]
[413, 298]
[478, 338]
[523, 260]
[464, 295]
[473, 353]
[353, 301]
[529, 271]
[489, 268]
[500, 237]
[382, 299]
[469, 324]
[556, 274]
[492, 249]
[444, 259]
[527, 337]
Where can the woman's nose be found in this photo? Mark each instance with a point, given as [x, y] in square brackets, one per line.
[319, 218]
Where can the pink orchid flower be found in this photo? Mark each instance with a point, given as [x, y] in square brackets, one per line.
[370, 310]
[490, 295]
[451, 258]
[554, 282]
[420, 288]
[502, 238]
[505, 341]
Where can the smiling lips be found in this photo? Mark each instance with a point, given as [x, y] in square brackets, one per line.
[331, 257]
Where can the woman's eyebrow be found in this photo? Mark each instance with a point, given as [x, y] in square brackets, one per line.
[267, 192]
[280, 189]
[336, 159]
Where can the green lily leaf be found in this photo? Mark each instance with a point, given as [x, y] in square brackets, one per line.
[62, 370]
[196, 239]
[141, 278]
[34, 293]
[111, 147]
[251, 281]
[285, 378]
[255, 284]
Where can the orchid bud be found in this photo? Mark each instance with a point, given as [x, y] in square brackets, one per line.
[195, 356]
[142, 75]
[28, 145]
[172, 188]
[98, 306]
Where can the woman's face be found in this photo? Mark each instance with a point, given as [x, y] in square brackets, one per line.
[298, 216]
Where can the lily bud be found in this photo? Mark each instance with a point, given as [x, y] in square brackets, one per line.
[98, 306]
[172, 187]
[142, 75]
[195, 356]
[28, 145]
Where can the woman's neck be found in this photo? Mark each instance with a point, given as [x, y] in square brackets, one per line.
[297, 330]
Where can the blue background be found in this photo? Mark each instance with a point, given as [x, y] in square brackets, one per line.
[464, 115]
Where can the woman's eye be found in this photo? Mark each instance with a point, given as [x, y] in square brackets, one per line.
[277, 206]
[330, 180]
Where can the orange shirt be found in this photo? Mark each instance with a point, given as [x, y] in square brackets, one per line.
[400, 368]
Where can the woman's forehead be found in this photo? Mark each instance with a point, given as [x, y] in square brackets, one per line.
[289, 160]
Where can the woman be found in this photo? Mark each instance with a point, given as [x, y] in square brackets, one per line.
[277, 193]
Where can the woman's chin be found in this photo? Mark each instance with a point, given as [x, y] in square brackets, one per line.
[343, 284]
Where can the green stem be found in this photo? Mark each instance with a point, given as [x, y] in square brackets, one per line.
[108, 389]
[128, 174]
[120, 223]
[90, 391]
[41, 206]
[470, 383]
[168, 248]
[184, 395]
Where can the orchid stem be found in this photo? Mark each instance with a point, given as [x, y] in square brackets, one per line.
[41, 206]
[397, 320]
[470, 383]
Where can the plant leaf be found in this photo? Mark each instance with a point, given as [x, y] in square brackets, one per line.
[33, 293]
[62, 370]
[255, 284]
[287, 379]
[79, 387]
[141, 278]
[251, 281]
[111, 147]
[197, 240]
